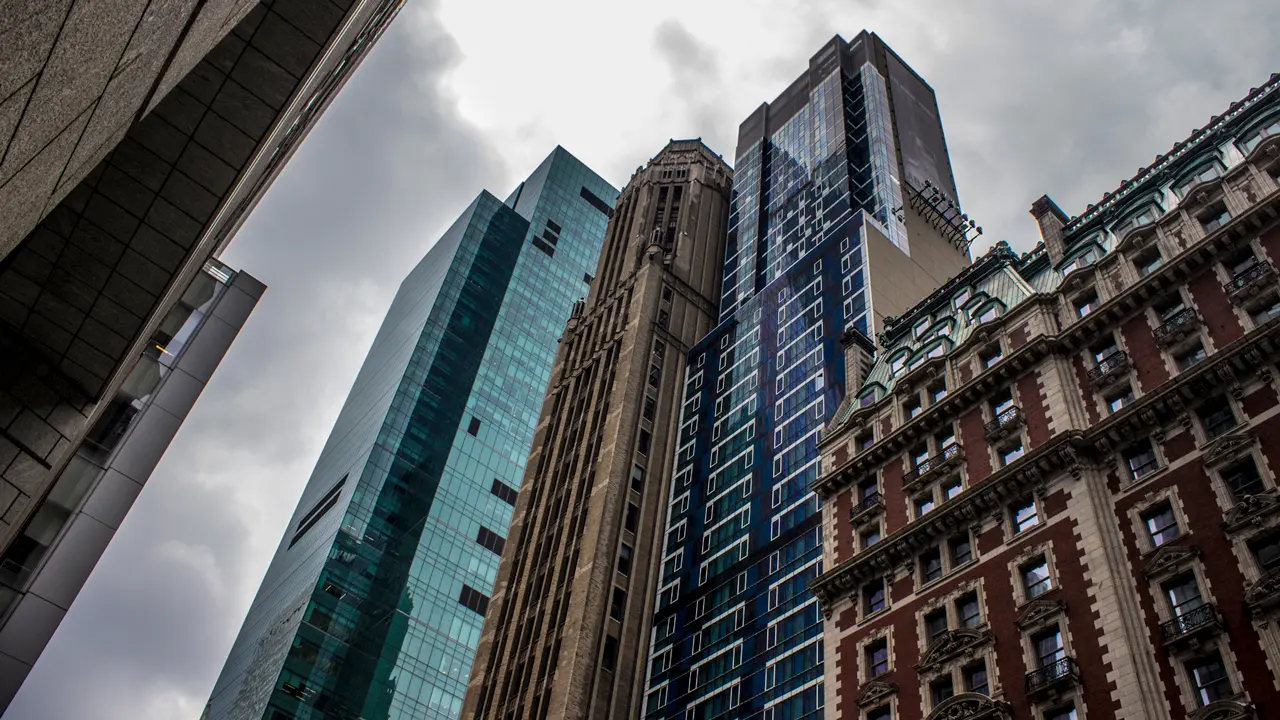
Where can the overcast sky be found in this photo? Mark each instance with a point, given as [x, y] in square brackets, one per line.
[461, 96]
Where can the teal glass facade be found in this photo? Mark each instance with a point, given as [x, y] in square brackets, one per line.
[374, 602]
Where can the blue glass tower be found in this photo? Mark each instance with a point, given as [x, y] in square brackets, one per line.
[375, 599]
[844, 212]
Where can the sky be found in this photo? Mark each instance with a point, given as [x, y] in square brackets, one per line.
[461, 96]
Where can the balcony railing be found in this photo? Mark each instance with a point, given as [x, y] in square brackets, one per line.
[1055, 674]
[1188, 624]
[1109, 368]
[948, 458]
[1249, 281]
[872, 502]
[1177, 326]
[1005, 423]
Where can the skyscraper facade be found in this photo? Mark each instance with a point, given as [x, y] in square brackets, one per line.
[844, 213]
[566, 635]
[1059, 498]
[136, 137]
[373, 604]
[42, 571]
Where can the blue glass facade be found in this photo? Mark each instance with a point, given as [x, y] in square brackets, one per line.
[737, 633]
[374, 602]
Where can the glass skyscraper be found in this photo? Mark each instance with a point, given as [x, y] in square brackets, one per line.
[374, 602]
[844, 211]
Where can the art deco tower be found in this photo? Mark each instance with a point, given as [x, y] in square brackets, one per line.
[567, 626]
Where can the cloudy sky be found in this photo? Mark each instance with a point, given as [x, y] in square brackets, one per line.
[461, 96]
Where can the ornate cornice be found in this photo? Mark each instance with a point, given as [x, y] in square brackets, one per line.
[1228, 447]
[950, 645]
[1252, 510]
[971, 706]
[1035, 613]
[1263, 594]
[1225, 710]
[1169, 559]
[875, 692]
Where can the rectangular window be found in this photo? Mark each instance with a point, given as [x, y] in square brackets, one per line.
[1183, 593]
[1141, 459]
[643, 444]
[935, 624]
[877, 658]
[504, 492]
[961, 550]
[624, 559]
[473, 599]
[619, 604]
[473, 428]
[924, 505]
[1000, 402]
[650, 408]
[1066, 712]
[1025, 515]
[610, 659]
[490, 540]
[1148, 261]
[1011, 452]
[1191, 357]
[991, 355]
[873, 599]
[1086, 303]
[1048, 647]
[975, 678]
[865, 440]
[637, 478]
[968, 610]
[870, 537]
[1214, 217]
[633, 517]
[319, 510]
[1209, 677]
[911, 408]
[1243, 479]
[655, 376]
[1035, 578]
[1161, 524]
[951, 489]
[880, 713]
[1119, 398]
[930, 565]
[1265, 310]
[937, 393]
[941, 689]
[1266, 550]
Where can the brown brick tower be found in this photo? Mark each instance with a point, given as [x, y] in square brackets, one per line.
[569, 615]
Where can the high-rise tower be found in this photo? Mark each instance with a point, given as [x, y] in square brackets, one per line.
[566, 633]
[844, 213]
[373, 604]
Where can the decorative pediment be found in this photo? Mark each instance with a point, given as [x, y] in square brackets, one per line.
[1036, 612]
[950, 645]
[875, 692]
[1225, 710]
[1228, 447]
[971, 706]
[1169, 559]
[1251, 510]
[1263, 594]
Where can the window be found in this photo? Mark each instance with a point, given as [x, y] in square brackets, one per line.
[868, 488]
[990, 355]
[504, 492]
[655, 375]
[877, 658]
[473, 428]
[1086, 302]
[1035, 578]
[650, 408]
[865, 440]
[911, 408]
[975, 678]
[1161, 524]
[935, 624]
[961, 297]
[1000, 402]
[1141, 459]
[618, 604]
[880, 713]
[930, 565]
[664, 318]
[633, 517]
[473, 599]
[1066, 712]
[643, 444]
[1255, 138]
[873, 599]
[1190, 357]
[944, 439]
[1183, 593]
[924, 505]
[1243, 479]
[1214, 217]
[1266, 310]
[490, 540]
[937, 393]
[870, 537]
[941, 689]
[1209, 677]
[610, 660]
[1048, 647]
[1010, 452]
[920, 458]
[961, 550]
[666, 293]
[952, 488]
[968, 610]
[1119, 398]
[1216, 417]
[1025, 515]
[1148, 261]
[1104, 349]
[637, 478]
[1266, 551]
[1083, 260]
[624, 559]
[1239, 262]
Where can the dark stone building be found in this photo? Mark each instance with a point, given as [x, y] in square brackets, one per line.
[1056, 494]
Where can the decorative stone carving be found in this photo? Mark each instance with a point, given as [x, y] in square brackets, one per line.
[1036, 612]
[950, 645]
[1169, 559]
[1251, 510]
[1225, 710]
[1264, 594]
[1228, 447]
[971, 706]
[875, 692]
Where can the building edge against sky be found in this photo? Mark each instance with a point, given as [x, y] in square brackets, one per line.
[375, 598]
[844, 214]
[42, 571]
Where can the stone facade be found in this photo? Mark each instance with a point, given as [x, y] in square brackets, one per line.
[567, 627]
[1071, 510]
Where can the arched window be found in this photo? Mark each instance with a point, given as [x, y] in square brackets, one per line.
[988, 312]
[1254, 137]
[1202, 173]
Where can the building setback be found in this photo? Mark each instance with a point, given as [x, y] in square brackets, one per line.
[71, 526]
[373, 604]
[844, 212]
[1055, 497]
[566, 634]
[135, 137]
